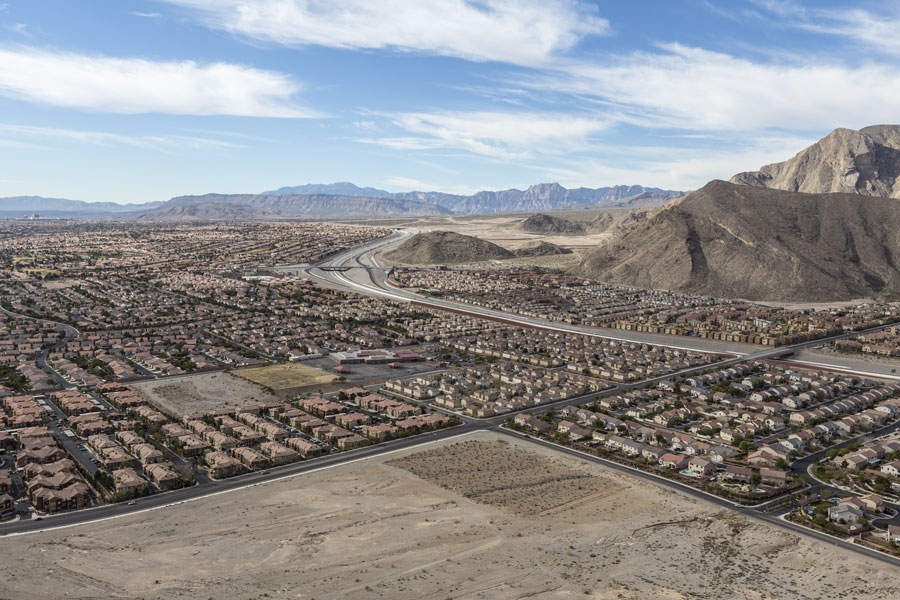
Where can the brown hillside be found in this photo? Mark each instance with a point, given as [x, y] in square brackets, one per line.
[446, 247]
[737, 241]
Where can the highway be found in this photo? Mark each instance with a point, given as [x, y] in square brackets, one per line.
[374, 284]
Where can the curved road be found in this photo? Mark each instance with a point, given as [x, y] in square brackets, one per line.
[374, 284]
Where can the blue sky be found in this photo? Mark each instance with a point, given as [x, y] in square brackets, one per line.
[140, 100]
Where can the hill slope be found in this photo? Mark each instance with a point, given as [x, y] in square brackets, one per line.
[756, 243]
[543, 223]
[446, 247]
[845, 161]
[542, 249]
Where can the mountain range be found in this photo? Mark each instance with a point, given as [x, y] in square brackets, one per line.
[347, 200]
[822, 226]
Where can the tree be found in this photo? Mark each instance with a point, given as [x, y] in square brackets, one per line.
[755, 478]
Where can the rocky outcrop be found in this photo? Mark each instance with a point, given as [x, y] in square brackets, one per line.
[845, 161]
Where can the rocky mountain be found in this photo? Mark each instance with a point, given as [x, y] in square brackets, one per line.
[446, 247]
[541, 197]
[549, 224]
[739, 241]
[542, 249]
[62, 207]
[209, 211]
[845, 161]
[341, 188]
[316, 205]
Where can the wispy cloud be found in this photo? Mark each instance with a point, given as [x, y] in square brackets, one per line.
[522, 32]
[146, 15]
[691, 88]
[879, 32]
[20, 28]
[684, 169]
[508, 135]
[137, 85]
[158, 142]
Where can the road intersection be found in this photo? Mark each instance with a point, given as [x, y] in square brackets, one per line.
[373, 282]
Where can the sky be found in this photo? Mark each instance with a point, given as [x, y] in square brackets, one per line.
[142, 100]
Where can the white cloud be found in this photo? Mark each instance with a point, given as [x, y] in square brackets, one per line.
[524, 32]
[20, 28]
[160, 142]
[136, 85]
[516, 135]
[692, 88]
[880, 33]
[146, 15]
[679, 169]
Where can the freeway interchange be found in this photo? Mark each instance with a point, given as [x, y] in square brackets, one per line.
[357, 270]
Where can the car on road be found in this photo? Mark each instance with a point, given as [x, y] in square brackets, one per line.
[132, 503]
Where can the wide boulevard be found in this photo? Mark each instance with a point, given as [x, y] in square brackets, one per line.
[357, 270]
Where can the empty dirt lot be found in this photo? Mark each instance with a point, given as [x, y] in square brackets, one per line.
[287, 375]
[201, 393]
[371, 529]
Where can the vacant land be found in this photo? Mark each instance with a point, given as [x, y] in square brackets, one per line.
[201, 393]
[514, 478]
[283, 376]
[373, 530]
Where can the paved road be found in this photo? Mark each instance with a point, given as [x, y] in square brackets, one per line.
[206, 487]
[233, 483]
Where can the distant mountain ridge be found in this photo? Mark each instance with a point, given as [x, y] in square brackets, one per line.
[541, 197]
[55, 207]
[863, 162]
[315, 205]
[341, 188]
[344, 199]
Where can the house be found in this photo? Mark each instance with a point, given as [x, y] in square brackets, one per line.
[578, 432]
[305, 448]
[844, 512]
[873, 503]
[673, 461]
[352, 441]
[162, 475]
[773, 477]
[701, 466]
[539, 425]
[278, 453]
[147, 453]
[891, 469]
[128, 483]
[652, 454]
[737, 473]
[221, 465]
[249, 457]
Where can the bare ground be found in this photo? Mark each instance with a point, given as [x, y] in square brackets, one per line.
[204, 392]
[373, 530]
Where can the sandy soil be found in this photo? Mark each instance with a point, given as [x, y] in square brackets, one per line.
[201, 393]
[501, 231]
[285, 375]
[373, 530]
